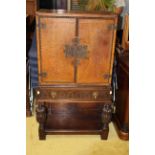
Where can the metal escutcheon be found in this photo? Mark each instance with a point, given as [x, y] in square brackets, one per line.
[53, 94]
[95, 95]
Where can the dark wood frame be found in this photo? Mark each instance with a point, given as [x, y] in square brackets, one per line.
[93, 121]
[44, 105]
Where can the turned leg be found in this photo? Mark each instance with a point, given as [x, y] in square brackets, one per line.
[106, 118]
[41, 118]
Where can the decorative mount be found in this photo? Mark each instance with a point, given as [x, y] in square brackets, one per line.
[76, 50]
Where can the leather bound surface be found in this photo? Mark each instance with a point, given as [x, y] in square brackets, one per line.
[95, 31]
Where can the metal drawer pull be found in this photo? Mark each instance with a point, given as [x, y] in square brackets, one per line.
[95, 95]
[53, 94]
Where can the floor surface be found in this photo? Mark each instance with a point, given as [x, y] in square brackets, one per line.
[73, 144]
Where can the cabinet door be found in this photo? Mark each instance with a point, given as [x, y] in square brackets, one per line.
[99, 36]
[53, 34]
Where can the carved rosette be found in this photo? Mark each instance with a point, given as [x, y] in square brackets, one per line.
[106, 115]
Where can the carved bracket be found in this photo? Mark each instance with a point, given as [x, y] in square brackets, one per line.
[41, 114]
[41, 118]
[106, 115]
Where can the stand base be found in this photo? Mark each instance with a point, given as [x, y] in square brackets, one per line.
[102, 133]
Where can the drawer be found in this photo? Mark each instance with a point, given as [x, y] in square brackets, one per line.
[79, 94]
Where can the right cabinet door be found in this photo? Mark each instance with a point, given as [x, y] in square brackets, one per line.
[99, 36]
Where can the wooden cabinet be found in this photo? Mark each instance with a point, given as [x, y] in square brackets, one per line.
[75, 59]
[95, 32]
[121, 117]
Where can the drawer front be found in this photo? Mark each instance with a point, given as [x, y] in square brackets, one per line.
[84, 94]
[73, 116]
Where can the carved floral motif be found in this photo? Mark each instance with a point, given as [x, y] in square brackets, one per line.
[106, 115]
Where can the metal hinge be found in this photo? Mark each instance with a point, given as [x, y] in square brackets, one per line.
[112, 27]
[43, 74]
[41, 25]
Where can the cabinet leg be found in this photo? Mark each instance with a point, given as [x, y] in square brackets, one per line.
[42, 135]
[106, 118]
[104, 133]
[41, 118]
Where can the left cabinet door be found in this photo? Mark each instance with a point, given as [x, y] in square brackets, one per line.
[52, 36]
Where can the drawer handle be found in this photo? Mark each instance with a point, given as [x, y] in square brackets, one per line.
[95, 95]
[53, 94]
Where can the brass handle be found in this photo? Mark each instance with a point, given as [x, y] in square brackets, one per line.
[38, 92]
[53, 94]
[95, 95]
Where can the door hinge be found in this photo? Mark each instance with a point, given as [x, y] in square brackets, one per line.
[41, 25]
[43, 74]
[112, 27]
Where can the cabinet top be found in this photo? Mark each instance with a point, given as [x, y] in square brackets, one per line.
[63, 13]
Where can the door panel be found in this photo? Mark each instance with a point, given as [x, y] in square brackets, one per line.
[57, 33]
[98, 37]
